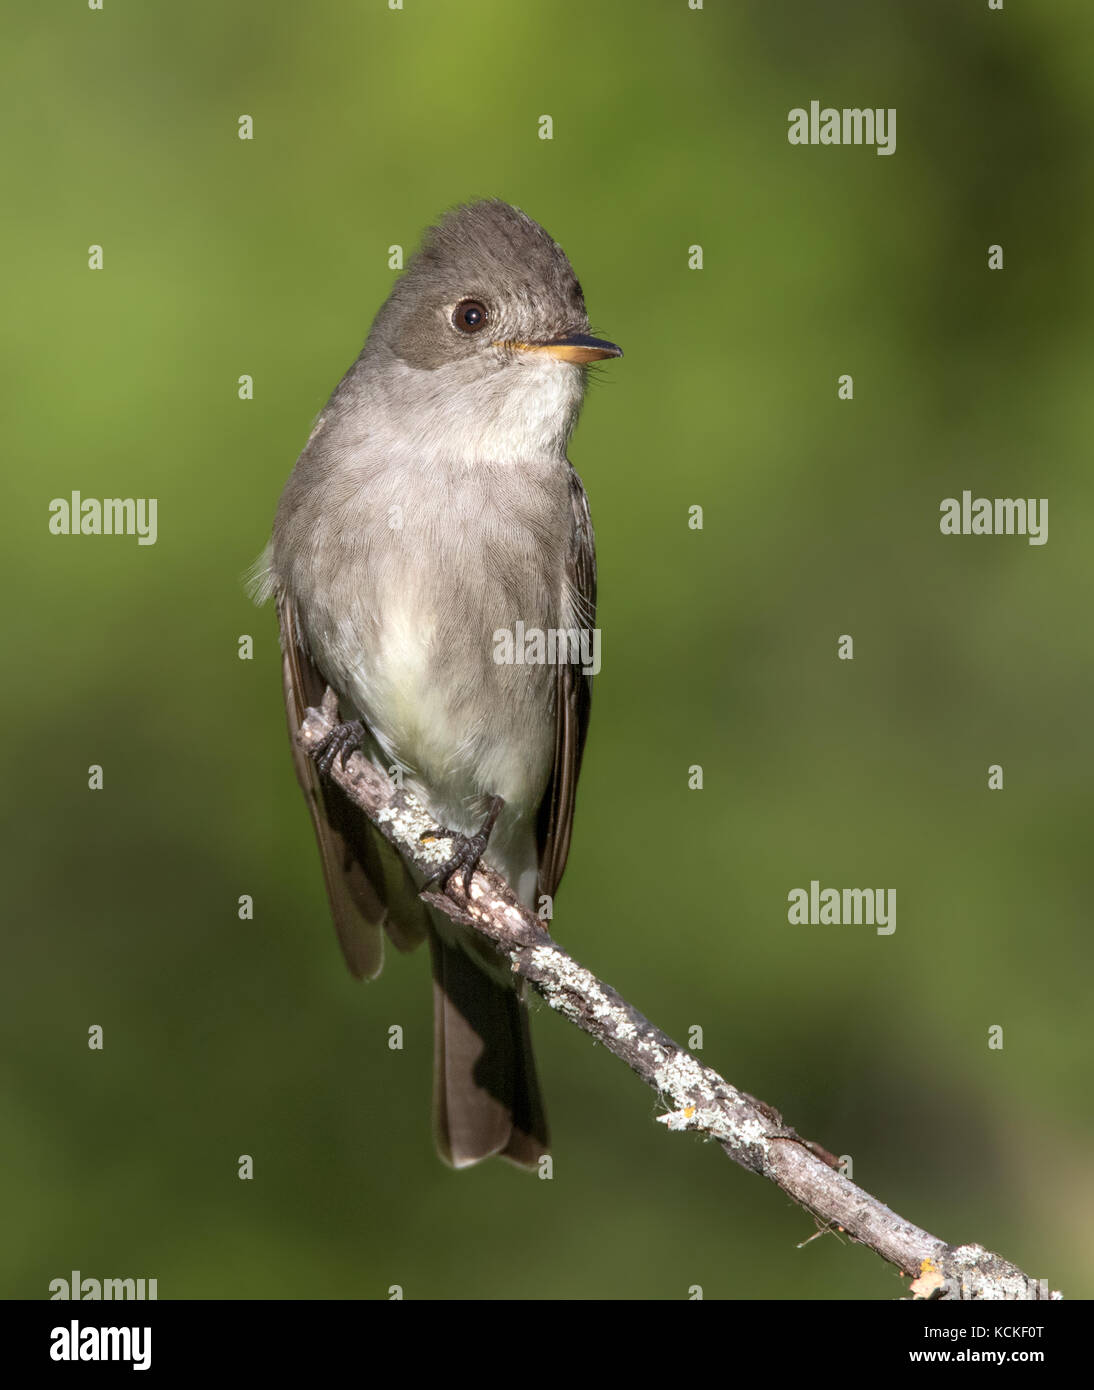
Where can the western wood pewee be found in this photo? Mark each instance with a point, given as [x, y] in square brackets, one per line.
[432, 511]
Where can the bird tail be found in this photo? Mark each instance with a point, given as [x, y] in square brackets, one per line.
[486, 1098]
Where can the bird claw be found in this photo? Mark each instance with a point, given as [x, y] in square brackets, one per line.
[467, 850]
[338, 744]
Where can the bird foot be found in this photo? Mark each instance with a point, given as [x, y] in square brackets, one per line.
[467, 850]
[342, 740]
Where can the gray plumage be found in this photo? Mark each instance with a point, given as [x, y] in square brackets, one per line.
[432, 507]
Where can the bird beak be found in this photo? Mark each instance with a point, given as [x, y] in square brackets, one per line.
[576, 347]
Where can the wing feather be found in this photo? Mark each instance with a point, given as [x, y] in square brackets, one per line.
[369, 886]
[573, 699]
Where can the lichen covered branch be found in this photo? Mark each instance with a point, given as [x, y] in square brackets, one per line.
[697, 1098]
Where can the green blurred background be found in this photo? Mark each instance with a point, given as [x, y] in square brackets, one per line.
[269, 258]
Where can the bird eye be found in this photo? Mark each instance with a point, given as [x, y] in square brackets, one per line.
[469, 316]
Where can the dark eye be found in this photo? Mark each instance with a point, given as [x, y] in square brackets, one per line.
[469, 316]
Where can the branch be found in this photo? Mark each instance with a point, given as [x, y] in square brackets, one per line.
[752, 1133]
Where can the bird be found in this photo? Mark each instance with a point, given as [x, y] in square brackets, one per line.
[432, 511]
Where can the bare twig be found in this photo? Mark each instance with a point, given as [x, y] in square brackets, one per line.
[752, 1133]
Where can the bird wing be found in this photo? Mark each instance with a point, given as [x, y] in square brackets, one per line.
[573, 697]
[368, 884]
